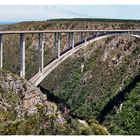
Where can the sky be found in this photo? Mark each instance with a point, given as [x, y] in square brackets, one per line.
[18, 13]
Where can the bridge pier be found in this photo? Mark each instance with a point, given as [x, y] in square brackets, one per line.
[41, 51]
[81, 36]
[59, 45]
[22, 55]
[85, 37]
[72, 34]
[1, 52]
[69, 40]
[55, 48]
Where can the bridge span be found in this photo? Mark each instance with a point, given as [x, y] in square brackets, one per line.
[43, 71]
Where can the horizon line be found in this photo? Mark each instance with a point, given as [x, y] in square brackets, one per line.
[121, 19]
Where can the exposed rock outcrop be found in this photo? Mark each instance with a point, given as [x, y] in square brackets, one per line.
[29, 96]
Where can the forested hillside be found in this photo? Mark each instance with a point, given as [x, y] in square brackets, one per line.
[100, 82]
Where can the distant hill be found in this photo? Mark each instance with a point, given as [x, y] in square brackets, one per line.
[97, 20]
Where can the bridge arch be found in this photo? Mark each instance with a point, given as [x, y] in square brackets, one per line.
[40, 76]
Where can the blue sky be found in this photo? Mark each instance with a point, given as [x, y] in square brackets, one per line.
[17, 13]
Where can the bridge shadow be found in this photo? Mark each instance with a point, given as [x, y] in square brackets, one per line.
[63, 106]
[118, 99]
[52, 98]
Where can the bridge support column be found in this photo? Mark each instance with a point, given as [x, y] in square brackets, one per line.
[58, 45]
[85, 37]
[1, 52]
[81, 36]
[69, 41]
[22, 56]
[41, 52]
[72, 40]
[55, 48]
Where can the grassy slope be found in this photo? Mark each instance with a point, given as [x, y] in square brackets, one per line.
[88, 92]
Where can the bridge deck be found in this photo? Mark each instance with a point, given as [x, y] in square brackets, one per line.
[64, 31]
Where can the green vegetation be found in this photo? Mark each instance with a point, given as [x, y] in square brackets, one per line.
[42, 123]
[47, 120]
[87, 93]
[127, 121]
[99, 82]
[110, 65]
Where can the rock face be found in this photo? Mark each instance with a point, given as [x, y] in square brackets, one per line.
[29, 95]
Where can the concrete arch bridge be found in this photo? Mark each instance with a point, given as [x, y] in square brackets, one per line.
[43, 71]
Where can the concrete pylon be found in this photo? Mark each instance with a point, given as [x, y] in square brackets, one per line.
[81, 36]
[22, 55]
[55, 47]
[72, 34]
[69, 35]
[41, 51]
[59, 45]
[1, 52]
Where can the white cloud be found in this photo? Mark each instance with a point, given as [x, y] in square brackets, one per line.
[34, 12]
[44, 12]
